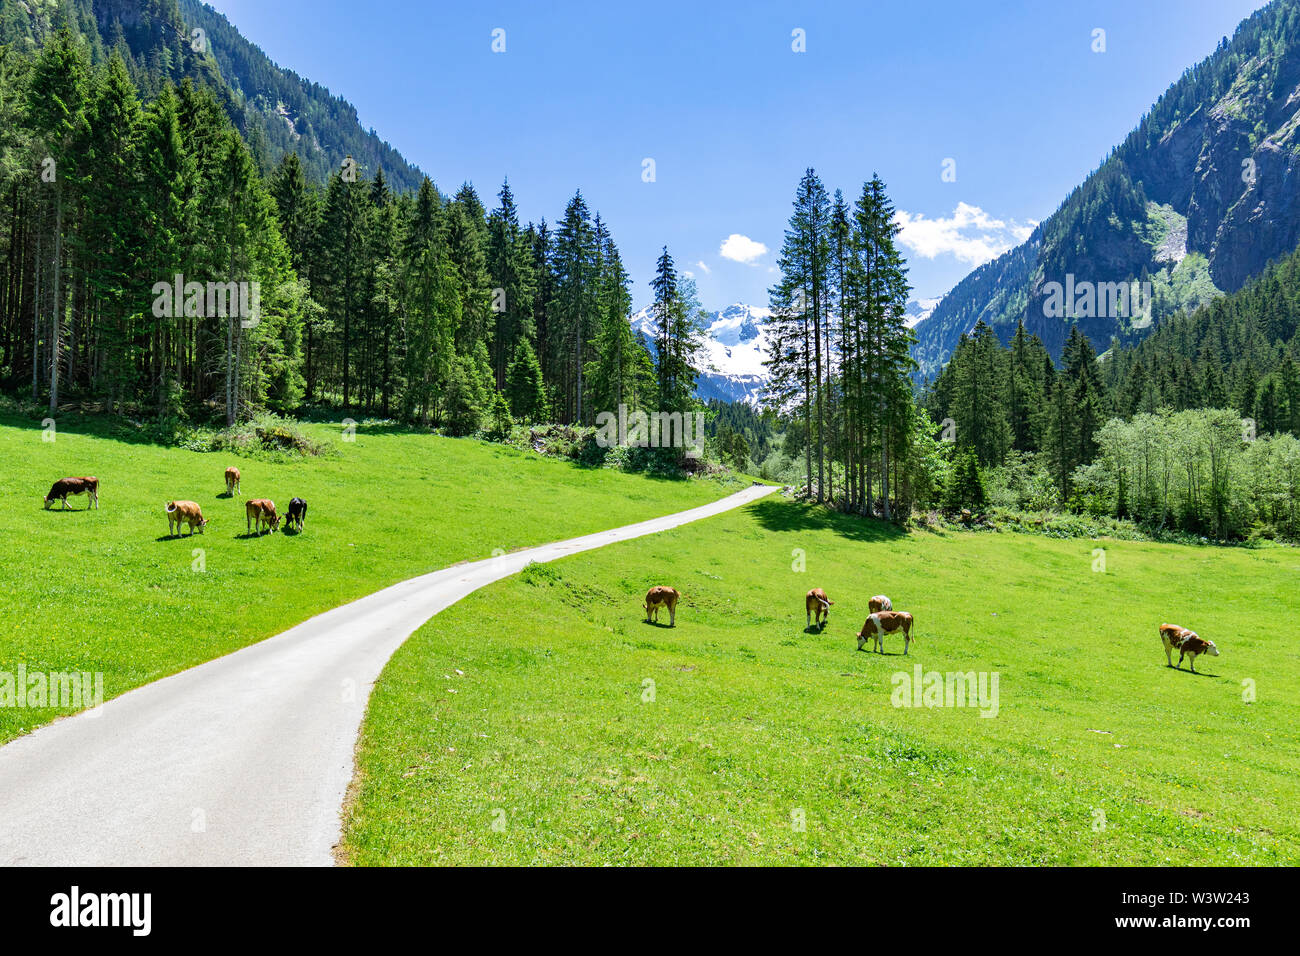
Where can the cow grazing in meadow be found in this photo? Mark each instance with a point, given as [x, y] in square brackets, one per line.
[232, 481]
[879, 603]
[259, 511]
[185, 512]
[296, 514]
[881, 623]
[660, 597]
[817, 605]
[1188, 644]
[74, 486]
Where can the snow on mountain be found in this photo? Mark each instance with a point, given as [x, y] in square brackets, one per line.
[735, 344]
[919, 310]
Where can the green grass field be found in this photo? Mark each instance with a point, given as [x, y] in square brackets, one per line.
[107, 590]
[541, 721]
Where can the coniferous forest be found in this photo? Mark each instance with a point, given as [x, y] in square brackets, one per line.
[165, 256]
[420, 306]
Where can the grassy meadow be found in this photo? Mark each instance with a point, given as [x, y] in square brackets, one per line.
[542, 721]
[108, 590]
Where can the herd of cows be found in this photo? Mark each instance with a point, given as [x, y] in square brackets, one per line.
[259, 513]
[882, 619]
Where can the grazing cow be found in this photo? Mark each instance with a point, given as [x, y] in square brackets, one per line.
[259, 511]
[879, 603]
[660, 596]
[297, 514]
[816, 603]
[185, 512]
[1188, 643]
[232, 481]
[74, 486]
[881, 623]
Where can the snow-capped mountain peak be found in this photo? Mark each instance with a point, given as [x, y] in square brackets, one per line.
[735, 345]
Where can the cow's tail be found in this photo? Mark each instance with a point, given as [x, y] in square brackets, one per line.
[826, 603]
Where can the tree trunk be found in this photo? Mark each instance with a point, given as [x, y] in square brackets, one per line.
[54, 327]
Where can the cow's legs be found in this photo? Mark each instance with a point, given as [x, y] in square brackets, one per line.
[672, 615]
[1191, 662]
[1169, 657]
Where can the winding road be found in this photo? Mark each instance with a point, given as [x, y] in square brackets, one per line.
[243, 760]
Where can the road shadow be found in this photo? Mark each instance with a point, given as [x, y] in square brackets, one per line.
[775, 513]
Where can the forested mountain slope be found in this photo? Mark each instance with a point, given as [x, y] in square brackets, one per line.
[1202, 195]
[276, 110]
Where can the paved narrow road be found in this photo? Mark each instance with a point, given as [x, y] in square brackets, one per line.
[243, 760]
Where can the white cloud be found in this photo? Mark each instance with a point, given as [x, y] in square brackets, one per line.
[740, 248]
[970, 234]
[703, 268]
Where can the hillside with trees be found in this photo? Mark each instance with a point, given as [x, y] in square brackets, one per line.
[127, 196]
[1199, 198]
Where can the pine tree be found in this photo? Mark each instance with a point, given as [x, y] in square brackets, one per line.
[58, 93]
[524, 386]
[510, 265]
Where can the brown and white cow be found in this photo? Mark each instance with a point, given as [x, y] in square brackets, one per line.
[232, 481]
[881, 623]
[879, 603]
[185, 512]
[1188, 644]
[88, 486]
[660, 597]
[817, 606]
[259, 511]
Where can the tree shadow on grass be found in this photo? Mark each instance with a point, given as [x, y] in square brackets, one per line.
[782, 514]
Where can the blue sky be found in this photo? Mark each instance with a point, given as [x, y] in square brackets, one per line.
[584, 93]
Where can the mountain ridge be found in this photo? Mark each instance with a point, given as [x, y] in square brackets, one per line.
[1198, 198]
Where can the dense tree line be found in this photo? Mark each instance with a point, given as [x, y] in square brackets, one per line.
[418, 305]
[1193, 428]
[839, 355]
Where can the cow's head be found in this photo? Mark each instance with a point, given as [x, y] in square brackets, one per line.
[861, 640]
[48, 502]
[275, 521]
[1211, 649]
